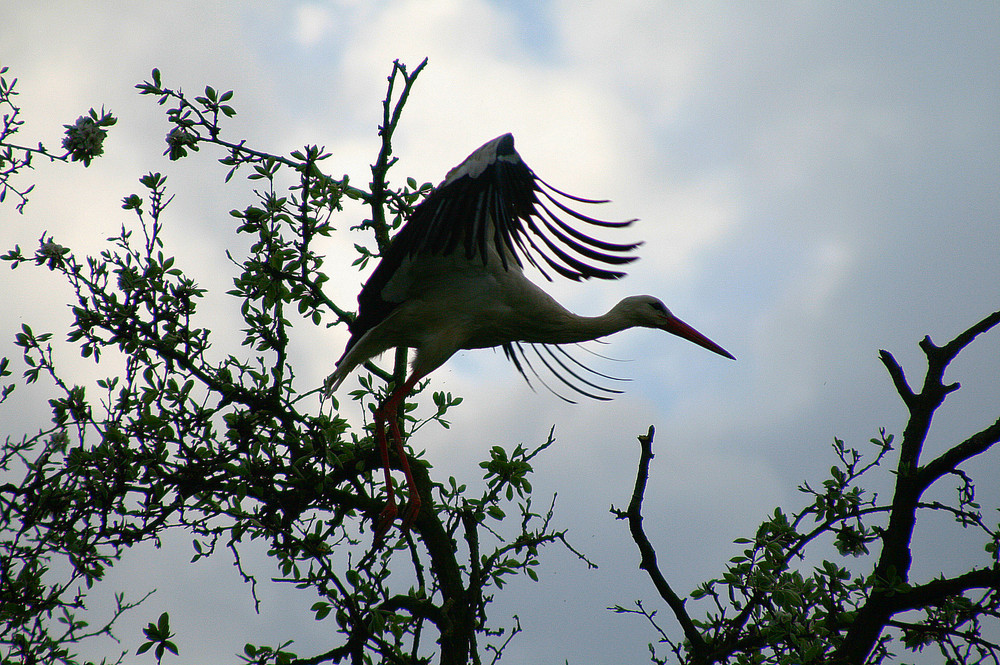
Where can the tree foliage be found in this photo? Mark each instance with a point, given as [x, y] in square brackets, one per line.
[226, 443]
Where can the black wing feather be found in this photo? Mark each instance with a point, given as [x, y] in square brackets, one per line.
[505, 191]
[515, 352]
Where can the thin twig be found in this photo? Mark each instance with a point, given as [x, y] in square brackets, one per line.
[648, 555]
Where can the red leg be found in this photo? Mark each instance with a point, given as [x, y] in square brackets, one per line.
[413, 506]
[388, 514]
[388, 411]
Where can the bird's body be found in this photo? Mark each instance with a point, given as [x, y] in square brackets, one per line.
[452, 279]
[445, 303]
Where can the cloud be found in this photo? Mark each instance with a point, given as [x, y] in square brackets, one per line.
[312, 24]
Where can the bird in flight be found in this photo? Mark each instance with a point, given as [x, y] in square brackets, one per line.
[452, 278]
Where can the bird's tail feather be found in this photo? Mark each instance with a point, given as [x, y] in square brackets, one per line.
[333, 381]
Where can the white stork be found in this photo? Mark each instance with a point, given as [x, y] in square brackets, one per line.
[452, 279]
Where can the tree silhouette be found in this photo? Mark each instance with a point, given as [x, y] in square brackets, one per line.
[769, 608]
[226, 444]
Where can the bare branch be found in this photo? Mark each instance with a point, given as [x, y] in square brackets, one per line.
[936, 591]
[898, 377]
[952, 348]
[949, 460]
[648, 554]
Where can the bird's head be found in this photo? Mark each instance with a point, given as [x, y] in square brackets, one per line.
[650, 312]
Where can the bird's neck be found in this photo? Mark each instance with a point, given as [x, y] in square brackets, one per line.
[539, 318]
[582, 328]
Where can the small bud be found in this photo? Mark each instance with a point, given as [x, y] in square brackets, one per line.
[132, 202]
[51, 253]
[179, 140]
[84, 140]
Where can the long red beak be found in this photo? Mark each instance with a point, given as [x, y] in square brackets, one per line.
[681, 329]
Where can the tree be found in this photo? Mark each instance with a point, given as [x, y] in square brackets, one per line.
[226, 444]
[770, 608]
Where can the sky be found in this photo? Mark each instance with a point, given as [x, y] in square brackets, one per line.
[814, 182]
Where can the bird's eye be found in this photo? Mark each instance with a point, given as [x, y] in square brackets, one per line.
[659, 307]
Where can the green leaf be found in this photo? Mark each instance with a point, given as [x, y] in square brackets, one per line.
[164, 624]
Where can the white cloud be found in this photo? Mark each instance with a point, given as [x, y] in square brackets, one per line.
[312, 24]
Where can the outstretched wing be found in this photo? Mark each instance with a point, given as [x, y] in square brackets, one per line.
[494, 201]
[494, 197]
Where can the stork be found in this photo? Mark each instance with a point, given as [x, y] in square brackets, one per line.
[452, 279]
